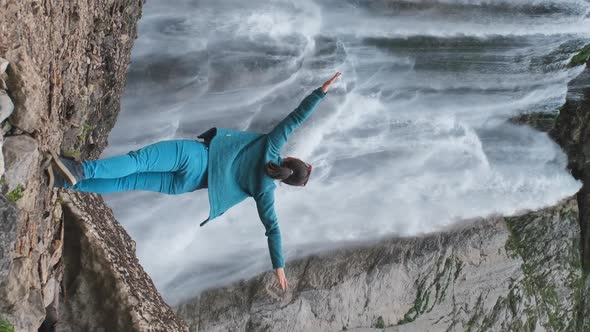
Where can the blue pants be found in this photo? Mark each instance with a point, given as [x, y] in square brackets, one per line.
[170, 167]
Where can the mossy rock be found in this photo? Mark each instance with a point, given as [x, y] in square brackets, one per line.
[5, 326]
[16, 194]
[72, 153]
[380, 323]
[581, 58]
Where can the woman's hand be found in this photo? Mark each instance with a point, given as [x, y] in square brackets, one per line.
[329, 82]
[280, 273]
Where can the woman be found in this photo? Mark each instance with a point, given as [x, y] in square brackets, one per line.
[232, 164]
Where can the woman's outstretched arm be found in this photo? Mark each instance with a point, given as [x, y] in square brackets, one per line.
[278, 136]
[266, 211]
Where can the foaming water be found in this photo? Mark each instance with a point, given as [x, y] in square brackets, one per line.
[413, 138]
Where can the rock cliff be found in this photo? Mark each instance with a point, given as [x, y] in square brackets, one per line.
[65, 262]
[498, 274]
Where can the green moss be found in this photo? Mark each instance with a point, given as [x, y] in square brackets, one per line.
[5, 326]
[581, 58]
[458, 267]
[380, 324]
[74, 153]
[477, 314]
[7, 126]
[528, 237]
[85, 130]
[422, 298]
[513, 301]
[16, 193]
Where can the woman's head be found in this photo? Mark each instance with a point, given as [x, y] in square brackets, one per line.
[292, 171]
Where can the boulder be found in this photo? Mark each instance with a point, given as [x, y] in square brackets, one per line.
[23, 176]
[21, 157]
[28, 91]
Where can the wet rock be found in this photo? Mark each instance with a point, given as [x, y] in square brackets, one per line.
[540, 121]
[6, 105]
[572, 133]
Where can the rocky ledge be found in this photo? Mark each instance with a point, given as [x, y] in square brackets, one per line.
[65, 262]
[500, 274]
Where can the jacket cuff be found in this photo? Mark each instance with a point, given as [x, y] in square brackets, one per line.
[319, 92]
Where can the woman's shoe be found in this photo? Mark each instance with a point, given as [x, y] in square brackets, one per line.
[56, 179]
[70, 169]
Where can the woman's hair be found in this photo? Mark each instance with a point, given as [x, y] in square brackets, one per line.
[291, 171]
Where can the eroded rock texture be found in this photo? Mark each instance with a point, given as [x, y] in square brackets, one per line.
[66, 63]
[572, 132]
[105, 287]
[499, 274]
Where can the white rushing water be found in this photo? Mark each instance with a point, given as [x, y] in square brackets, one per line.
[413, 138]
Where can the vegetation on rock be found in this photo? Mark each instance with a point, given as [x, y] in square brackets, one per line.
[5, 326]
[581, 58]
[16, 193]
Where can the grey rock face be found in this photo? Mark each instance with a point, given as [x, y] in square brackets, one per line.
[21, 155]
[572, 132]
[106, 287]
[491, 275]
[68, 67]
[7, 237]
[25, 302]
[25, 86]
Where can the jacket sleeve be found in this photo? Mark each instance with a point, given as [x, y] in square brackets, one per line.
[278, 136]
[266, 211]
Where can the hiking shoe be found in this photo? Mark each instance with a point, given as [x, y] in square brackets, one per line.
[56, 179]
[69, 168]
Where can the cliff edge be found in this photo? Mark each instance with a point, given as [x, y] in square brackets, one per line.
[65, 263]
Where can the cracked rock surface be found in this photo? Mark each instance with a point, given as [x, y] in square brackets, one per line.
[65, 262]
[497, 274]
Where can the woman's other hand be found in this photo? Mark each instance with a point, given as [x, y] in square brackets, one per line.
[329, 82]
[280, 273]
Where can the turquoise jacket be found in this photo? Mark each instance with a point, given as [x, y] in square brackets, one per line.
[236, 169]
